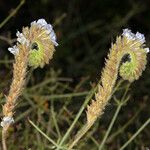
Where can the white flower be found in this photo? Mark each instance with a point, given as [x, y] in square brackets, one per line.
[127, 33]
[147, 50]
[14, 50]
[33, 23]
[140, 37]
[131, 36]
[21, 39]
[7, 121]
[49, 28]
[41, 23]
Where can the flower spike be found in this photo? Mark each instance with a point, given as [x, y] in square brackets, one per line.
[35, 47]
[40, 38]
[128, 44]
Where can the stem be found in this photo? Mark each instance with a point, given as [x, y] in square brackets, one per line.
[120, 130]
[77, 116]
[134, 135]
[48, 138]
[58, 96]
[4, 141]
[120, 104]
[110, 126]
[12, 14]
[4, 131]
[84, 129]
[19, 74]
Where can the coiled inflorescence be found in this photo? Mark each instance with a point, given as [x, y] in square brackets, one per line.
[34, 47]
[40, 38]
[134, 46]
[131, 45]
[128, 44]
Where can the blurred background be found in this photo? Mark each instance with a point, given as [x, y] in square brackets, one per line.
[85, 30]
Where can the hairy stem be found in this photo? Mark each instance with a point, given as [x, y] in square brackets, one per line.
[19, 73]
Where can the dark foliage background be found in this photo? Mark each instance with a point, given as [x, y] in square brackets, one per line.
[85, 30]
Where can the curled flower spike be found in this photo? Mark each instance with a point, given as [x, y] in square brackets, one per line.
[41, 23]
[137, 52]
[136, 37]
[131, 45]
[40, 38]
[42, 42]
[34, 47]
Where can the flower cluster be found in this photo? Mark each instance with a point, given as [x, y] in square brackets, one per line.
[138, 36]
[41, 23]
[7, 121]
[14, 50]
[22, 39]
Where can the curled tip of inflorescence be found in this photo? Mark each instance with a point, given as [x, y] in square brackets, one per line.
[23, 39]
[6, 121]
[131, 36]
[138, 36]
[41, 23]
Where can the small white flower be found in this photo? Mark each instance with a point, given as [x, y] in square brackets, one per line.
[131, 36]
[147, 50]
[49, 28]
[14, 50]
[21, 39]
[7, 121]
[41, 23]
[33, 23]
[140, 37]
[127, 33]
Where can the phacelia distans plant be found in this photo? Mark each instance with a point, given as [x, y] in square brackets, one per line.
[129, 44]
[35, 47]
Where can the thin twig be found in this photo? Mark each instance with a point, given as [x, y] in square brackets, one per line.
[12, 14]
[134, 135]
[120, 104]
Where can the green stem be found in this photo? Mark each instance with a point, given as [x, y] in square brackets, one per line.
[110, 126]
[58, 96]
[54, 120]
[134, 135]
[12, 14]
[77, 117]
[120, 104]
[120, 130]
[48, 138]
